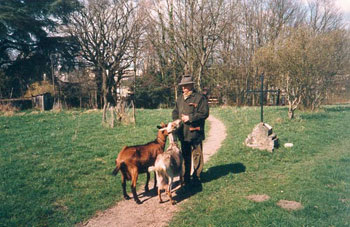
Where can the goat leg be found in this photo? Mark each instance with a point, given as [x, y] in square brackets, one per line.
[133, 189]
[147, 180]
[173, 202]
[181, 180]
[160, 196]
[155, 181]
[171, 179]
[126, 196]
[134, 176]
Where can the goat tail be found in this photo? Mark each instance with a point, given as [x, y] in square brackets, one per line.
[151, 169]
[157, 168]
[115, 171]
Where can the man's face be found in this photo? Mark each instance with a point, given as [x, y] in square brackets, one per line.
[187, 87]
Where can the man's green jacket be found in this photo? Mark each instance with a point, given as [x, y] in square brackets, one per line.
[197, 108]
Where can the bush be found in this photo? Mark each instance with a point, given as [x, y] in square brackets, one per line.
[39, 88]
[152, 93]
[8, 109]
[153, 98]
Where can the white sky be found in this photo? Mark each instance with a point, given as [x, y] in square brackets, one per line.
[344, 6]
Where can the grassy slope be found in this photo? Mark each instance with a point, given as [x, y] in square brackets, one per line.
[315, 172]
[56, 167]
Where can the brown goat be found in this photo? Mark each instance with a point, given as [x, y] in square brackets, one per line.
[133, 160]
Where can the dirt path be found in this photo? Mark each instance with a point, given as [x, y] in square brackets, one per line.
[151, 212]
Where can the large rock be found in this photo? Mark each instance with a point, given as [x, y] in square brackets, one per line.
[262, 138]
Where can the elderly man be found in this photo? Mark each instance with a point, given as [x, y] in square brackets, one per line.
[192, 108]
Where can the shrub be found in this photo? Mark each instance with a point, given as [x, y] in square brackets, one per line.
[8, 109]
[39, 88]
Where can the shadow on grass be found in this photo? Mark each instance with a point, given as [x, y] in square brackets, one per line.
[315, 116]
[325, 115]
[337, 108]
[181, 194]
[216, 172]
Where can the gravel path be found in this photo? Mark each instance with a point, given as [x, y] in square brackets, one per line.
[151, 212]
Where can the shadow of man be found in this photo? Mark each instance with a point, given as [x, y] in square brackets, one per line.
[182, 194]
[216, 172]
[213, 173]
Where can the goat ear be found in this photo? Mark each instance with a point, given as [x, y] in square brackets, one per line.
[162, 125]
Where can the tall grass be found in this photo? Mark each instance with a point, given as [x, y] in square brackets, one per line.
[315, 172]
[56, 167]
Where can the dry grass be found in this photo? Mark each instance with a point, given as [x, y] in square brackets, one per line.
[289, 205]
[8, 110]
[258, 198]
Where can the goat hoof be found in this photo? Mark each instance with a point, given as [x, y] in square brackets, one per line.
[138, 201]
[173, 202]
[126, 197]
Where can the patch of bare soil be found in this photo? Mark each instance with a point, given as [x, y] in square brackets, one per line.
[151, 212]
[258, 198]
[345, 200]
[289, 205]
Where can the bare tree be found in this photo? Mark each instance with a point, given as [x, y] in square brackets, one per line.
[304, 63]
[251, 25]
[105, 30]
[323, 16]
[188, 34]
[328, 56]
[163, 52]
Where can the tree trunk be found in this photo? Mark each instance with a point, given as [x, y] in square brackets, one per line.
[104, 91]
[133, 112]
[291, 113]
[96, 100]
[111, 109]
[175, 83]
[292, 106]
[175, 91]
[199, 81]
[104, 112]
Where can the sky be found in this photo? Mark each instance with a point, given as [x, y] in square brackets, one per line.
[344, 6]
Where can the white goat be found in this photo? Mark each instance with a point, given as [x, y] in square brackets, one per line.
[167, 166]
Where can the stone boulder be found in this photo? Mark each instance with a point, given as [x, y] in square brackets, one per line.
[262, 138]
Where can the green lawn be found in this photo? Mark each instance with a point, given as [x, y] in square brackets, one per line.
[315, 172]
[56, 168]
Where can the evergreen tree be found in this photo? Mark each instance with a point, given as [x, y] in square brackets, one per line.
[28, 36]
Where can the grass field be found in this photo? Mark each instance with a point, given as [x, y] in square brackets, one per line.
[315, 172]
[56, 169]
